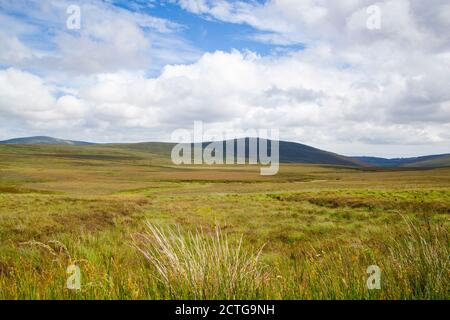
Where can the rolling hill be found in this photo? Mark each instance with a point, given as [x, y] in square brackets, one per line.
[416, 162]
[442, 161]
[290, 152]
[44, 140]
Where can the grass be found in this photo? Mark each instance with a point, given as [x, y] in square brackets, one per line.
[140, 228]
[200, 266]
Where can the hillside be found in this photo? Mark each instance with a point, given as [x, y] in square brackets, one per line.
[442, 161]
[290, 152]
[43, 140]
[418, 162]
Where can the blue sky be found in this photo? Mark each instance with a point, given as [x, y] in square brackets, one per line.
[315, 69]
[204, 32]
[197, 33]
[207, 33]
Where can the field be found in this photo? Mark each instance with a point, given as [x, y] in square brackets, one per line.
[139, 227]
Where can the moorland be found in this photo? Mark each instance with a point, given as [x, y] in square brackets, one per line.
[139, 227]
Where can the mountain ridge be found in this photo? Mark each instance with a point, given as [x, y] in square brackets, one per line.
[44, 140]
[399, 162]
[290, 152]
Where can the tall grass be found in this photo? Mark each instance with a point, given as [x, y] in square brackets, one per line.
[419, 260]
[413, 258]
[171, 263]
[202, 266]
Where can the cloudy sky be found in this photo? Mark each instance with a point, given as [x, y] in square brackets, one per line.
[137, 70]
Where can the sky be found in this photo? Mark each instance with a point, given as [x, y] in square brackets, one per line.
[355, 77]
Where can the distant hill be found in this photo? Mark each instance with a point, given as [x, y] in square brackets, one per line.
[418, 162]
[43, 140]
[290, 152]
[441, 161]
[300, 153]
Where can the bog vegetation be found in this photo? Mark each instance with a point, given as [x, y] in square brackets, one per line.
[140, 228]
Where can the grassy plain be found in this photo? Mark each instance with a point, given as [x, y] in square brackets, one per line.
[319, 228]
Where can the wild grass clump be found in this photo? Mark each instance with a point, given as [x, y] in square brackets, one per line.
[419, 261]
[198, 265]
[414, 259]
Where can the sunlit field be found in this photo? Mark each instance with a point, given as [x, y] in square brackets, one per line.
[139, 227]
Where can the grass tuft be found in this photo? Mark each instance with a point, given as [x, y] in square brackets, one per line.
[202, 266]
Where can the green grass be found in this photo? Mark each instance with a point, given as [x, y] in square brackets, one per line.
[320, 227]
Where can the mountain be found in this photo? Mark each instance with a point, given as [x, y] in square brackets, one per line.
[290, 152]
[442, 161]
[418, 162]
[44, 140]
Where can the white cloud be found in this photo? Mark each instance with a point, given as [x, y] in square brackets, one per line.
[12, 50]
[308, 101]
[340, 21]
[110, 39]
[23, 92]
